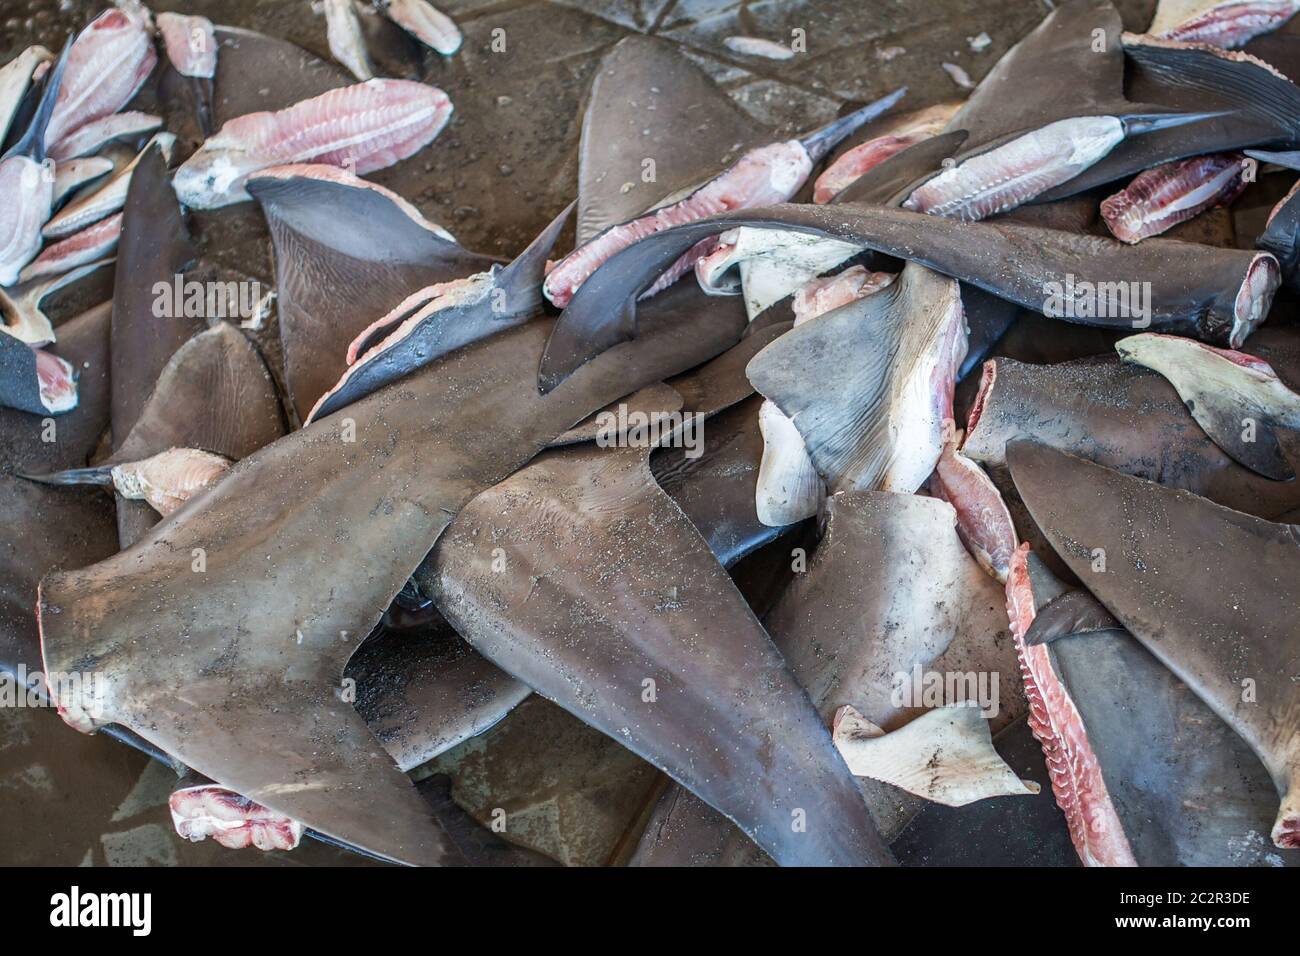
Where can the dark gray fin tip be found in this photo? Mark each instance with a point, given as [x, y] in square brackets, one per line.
[553, 371]
[101, 476]
[1075, 612]
[132, 739]
[1135, 124]
[1263, 454]
[821, 141]
[32, 142]
[1289, 159]
[520, 281]
[523, 277]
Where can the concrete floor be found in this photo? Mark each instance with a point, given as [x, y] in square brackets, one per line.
[503, 168]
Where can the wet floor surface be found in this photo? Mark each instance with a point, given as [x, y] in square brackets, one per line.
[506, 164]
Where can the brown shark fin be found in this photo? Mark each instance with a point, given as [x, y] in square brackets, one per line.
[1211, 592]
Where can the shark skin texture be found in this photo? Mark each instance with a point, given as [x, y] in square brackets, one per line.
[1232, 577]
[650, 628]
[400, 432]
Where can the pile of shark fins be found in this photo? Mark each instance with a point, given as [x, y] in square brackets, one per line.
[716, 517]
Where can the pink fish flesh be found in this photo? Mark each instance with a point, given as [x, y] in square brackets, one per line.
[1162, 197]
[90, 244]
[400, 316]
[170, 478]
[233, 821]
[763, 176]
[1250, 308]
[26, 197]
[1094, 825]
[1016, 172]
[858, 161]
[830, 292]
[58, 383]
[364, 127]
[895, 135]
[109, 62]
[1230, 25]
[89, 137]
[191, 44]
[427, 24]
[983, 522]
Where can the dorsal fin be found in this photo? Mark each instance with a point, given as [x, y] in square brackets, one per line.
[1211, 592]
[649, 103]
[484, 304]
[154, 248]
[347, 252]
[1071, 64]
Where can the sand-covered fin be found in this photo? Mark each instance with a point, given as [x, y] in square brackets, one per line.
[946, 756]
[1236, 398]
[1209, 591]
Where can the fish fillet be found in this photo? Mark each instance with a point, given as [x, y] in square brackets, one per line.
[364, 127]
[110, 60]
[191, 44]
